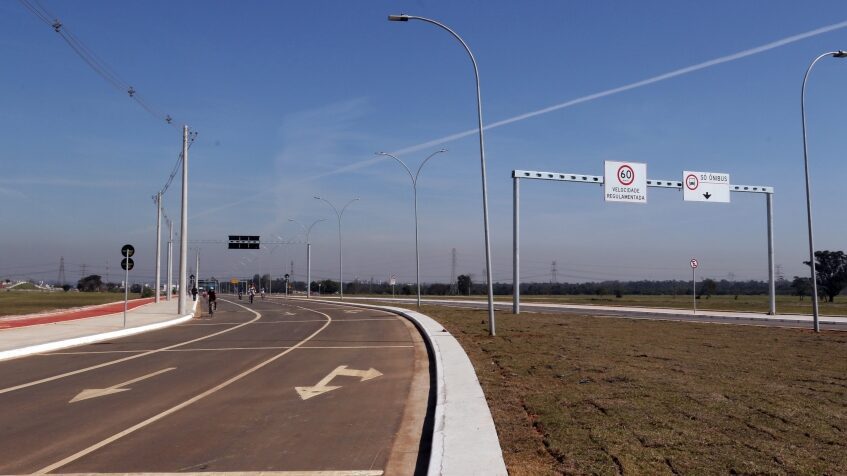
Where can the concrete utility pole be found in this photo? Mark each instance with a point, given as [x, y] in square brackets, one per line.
[158, 245]
[170, 258]
[183, 227]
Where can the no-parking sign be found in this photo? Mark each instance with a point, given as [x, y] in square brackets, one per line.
[625, 182]
[694, 263]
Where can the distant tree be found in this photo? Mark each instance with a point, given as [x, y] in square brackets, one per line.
[464, 284]
[135, 288]
[89, 283]
[708, 287]
[66, 287]
[329, 286]
[801, 286]
[406, 289]
[831, 267]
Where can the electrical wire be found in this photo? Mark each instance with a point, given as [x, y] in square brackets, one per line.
[98, 65]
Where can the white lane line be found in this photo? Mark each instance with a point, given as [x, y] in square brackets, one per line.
[184, 404]
[113, 362]
[250, 348]
[354, 472]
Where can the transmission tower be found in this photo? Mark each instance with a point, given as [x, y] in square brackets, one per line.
[554, 272]
[107, 270]
[62, 271]
[454, 289]
[82, 271]
[780, 276]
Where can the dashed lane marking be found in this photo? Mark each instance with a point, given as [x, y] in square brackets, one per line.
[238, 348]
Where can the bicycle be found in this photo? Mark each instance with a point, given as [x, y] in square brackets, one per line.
[212, 306]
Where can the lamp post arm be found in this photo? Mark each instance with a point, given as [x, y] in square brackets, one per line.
[345, 208]
[418, 173]
[309, 230]
[408, 170]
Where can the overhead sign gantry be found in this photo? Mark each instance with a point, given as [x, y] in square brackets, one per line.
[628, 182]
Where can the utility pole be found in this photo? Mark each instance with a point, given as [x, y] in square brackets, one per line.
[158, 245]
[183, 226]
[170, 257]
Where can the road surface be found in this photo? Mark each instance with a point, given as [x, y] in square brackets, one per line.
[274, 386]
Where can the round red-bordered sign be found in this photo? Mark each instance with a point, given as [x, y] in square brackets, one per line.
[694, 263]
[626, 175]
[688, 183]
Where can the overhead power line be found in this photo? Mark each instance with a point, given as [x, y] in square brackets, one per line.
[98, 65]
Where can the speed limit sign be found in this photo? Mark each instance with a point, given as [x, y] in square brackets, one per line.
[625, 182]
[694, 263]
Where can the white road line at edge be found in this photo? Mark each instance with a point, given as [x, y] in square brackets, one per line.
[112, 362]
[354, 472]
[186, 403]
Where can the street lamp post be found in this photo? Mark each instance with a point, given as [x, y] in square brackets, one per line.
[834, 54]
[340, 254]
[308, 232]
[415, 193]
[404, 17]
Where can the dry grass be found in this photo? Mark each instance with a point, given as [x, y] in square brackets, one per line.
[27, 302]
[583, 395]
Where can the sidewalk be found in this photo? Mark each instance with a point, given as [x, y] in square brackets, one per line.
[34, 339]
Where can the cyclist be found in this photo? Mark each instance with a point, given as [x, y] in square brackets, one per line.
[213, 301]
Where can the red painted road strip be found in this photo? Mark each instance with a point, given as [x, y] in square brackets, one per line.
[81, 313]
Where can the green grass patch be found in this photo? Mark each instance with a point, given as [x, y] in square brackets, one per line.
[14, 302]
[587, 395]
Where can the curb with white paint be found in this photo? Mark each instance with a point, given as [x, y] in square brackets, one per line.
[90, 339]
[464, 439]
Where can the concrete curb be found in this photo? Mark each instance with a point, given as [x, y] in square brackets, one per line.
[464, 439]
[90, 339]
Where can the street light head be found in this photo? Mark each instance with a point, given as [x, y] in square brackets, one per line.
[443, 150]
[840, 54]
[379, 153]
[317, 197]
[400, 17]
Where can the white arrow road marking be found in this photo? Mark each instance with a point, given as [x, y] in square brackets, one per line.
[322, 387]
[353, 311]
[99, 392]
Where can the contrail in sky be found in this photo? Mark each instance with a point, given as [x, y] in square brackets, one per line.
[609, 92]
[573, 102]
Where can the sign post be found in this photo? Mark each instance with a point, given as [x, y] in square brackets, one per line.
[393, 281]
[694, 264]
[286, 284]
[127, 264]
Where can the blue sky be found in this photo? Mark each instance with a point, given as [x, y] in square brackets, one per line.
[292, 99]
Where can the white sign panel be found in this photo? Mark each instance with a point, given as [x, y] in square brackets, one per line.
[705, 187]
[625, 182]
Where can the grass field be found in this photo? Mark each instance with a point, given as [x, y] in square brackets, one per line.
[28, 302]
[583, 395]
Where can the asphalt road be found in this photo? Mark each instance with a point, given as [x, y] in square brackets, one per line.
[274, 386]
[636, 313]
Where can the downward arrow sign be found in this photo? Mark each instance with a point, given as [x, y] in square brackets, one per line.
[707, 195]
[99, 392]
[323, 386]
